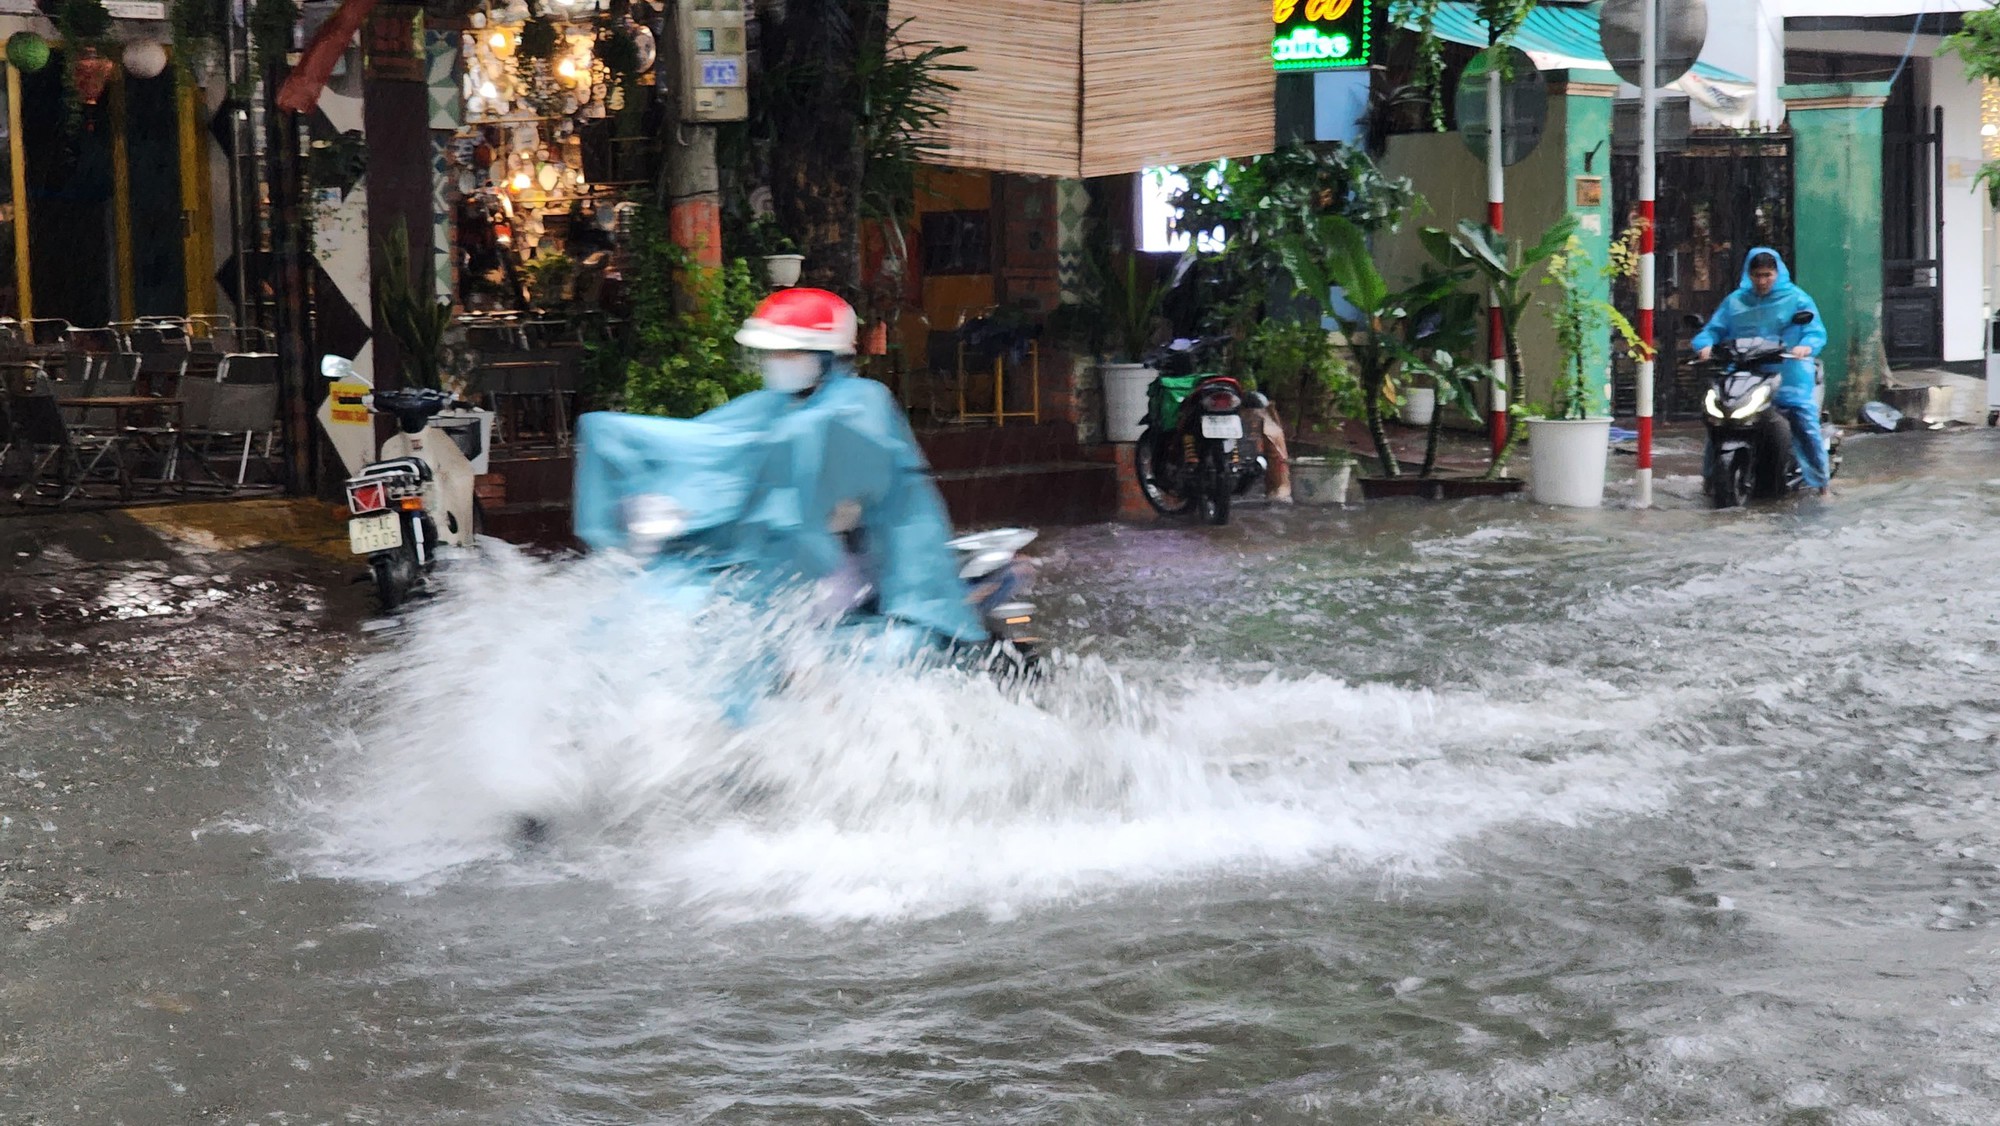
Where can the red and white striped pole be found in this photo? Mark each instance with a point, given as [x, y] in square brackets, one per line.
[1496, 209]
[1649, 138]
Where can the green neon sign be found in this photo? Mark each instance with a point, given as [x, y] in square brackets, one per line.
[1320, 34]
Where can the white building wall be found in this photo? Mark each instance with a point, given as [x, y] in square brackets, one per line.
[1967, 217]
[1966, 213]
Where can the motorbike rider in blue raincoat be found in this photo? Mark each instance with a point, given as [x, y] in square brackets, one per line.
[1763, 307]
[816, 478]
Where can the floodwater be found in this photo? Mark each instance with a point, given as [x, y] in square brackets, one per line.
[1476, 813]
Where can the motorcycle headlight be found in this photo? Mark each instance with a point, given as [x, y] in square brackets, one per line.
[1713, 404]
[651, 519]
[1758, 400]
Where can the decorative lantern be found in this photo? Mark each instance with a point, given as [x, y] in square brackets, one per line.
[93, 74]
[27, 52]
[145, 59]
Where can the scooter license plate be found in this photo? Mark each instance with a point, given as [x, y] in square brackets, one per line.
[1221, 426]
[370, 534]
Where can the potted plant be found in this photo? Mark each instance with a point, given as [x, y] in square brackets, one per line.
[406, 305]
[1118, 324]
[1505, 266]
[782, 261]
[1335, 253]
[1569, 444]
[1298, 366]
[1439, 335]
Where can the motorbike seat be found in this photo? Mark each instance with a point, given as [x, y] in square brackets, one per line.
[397, 467]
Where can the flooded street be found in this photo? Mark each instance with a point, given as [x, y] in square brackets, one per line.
[1424, 815]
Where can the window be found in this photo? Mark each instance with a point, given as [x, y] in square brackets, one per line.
[1157, 187]
[956, 242]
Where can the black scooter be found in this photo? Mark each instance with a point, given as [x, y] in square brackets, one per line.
[1197, 453]
[1749, 441]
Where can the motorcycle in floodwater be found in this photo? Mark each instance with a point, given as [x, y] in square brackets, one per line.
[1194, 450]
[416, 495]
[1750, 452]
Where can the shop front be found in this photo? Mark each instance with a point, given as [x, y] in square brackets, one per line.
[106, 187]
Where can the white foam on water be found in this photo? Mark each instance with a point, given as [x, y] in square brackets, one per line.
[860, 789]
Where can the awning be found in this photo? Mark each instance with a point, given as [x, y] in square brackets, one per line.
[1557, 38]
[1081, 88]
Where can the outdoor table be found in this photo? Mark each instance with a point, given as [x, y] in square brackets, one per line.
[122, 408]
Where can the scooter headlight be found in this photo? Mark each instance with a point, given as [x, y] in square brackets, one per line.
[1758, 400]
[1713, 404]
[651, 519]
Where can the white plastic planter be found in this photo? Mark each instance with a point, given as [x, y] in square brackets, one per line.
[1419, 403]
[1319, 481]
[1125, 388]
[783, 270]
[1567, 458]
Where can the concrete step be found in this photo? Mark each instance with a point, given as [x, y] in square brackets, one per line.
[1041, 495]
[957, 448]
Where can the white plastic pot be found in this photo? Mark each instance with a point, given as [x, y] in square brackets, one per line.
[1125, 388]
[782, 270]
[1419, 403]
[1566, 461]
[1317, 480]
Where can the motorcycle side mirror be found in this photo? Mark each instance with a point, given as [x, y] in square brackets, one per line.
[1691, 322]
[339, 369]
[1803, 317]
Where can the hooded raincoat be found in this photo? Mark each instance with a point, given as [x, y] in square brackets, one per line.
[766, 483]
[1744, 315]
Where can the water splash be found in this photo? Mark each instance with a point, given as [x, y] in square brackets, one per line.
[859, 789]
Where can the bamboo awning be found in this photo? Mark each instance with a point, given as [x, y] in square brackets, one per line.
[1079, 88]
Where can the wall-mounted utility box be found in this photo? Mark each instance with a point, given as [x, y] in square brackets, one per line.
[714, 60]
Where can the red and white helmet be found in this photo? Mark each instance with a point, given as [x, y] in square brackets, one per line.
[801, 320]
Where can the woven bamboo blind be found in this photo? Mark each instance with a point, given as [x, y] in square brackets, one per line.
[1099, 87]
[1174, 82]
[1016, 111]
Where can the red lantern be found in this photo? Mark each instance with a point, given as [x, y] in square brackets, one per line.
[93, 74]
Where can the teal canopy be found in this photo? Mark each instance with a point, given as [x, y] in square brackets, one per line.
[1557, 31]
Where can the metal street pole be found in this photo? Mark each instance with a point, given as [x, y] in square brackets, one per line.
[1496, 200]
[1649, 138]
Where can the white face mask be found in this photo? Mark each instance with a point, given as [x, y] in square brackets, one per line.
[791, 372]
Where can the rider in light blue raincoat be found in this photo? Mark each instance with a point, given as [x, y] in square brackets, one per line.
[816, 478]
[1763, 306]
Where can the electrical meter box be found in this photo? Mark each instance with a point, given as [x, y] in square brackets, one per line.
[714, 60]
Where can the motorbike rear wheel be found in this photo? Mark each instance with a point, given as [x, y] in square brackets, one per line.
[1216, 484]
[395, 574]
[1146, 466]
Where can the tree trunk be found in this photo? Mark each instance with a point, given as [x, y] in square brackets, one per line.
[815, 114]
[1379, 433]
[1431, 439]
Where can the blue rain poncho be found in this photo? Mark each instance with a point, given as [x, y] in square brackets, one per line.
[1744, 315]
[759, 481]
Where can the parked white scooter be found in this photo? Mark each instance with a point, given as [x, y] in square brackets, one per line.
[417, 492]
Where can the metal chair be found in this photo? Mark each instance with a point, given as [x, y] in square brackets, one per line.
[117, 375]
[47, 331]
[239, 338]
[149, 339]
[160, 373]
[36, 424]
[248, 367]
[96, 340]
[241, 402]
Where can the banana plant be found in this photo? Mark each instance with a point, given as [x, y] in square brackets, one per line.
[1507, 266]
[1439, 336]
[1332, 252]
